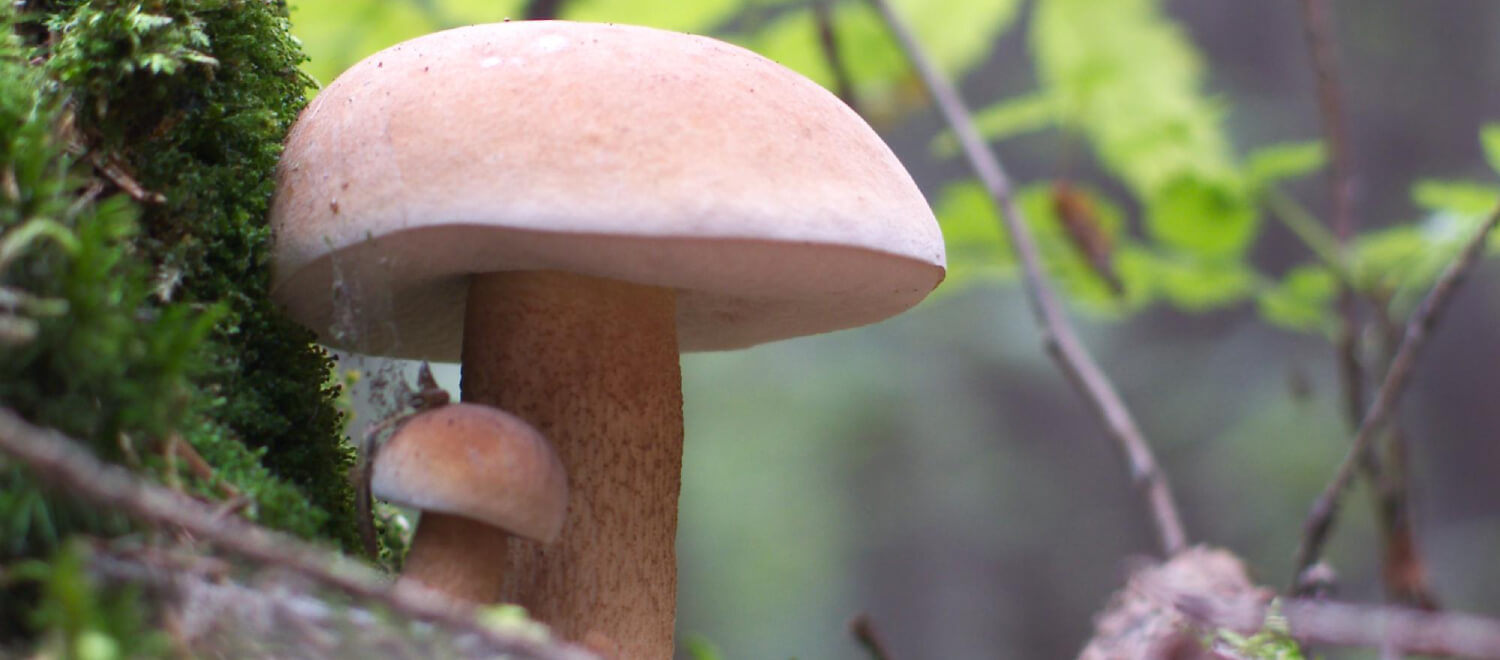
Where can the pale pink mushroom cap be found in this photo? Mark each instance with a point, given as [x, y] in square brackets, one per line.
[475, 462]
[621, 152]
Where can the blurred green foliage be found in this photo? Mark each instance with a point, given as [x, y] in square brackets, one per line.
[1122, 79]
[1272, 642]
[82, 620]
[142, 319]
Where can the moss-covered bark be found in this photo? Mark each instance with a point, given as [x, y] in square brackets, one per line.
[137, 143]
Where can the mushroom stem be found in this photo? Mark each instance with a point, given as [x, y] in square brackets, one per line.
[459, 557]
[593, 364]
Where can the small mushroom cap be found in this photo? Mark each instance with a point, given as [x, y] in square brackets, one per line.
[477, 462]
[614, 151]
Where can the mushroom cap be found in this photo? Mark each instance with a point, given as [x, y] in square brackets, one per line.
[615, 151]
[477, 462]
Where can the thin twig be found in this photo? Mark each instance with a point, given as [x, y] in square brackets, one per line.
[1307, 228]
[1320, 47]
[828, 39]
[179, 448]
[1327, 623]
[1404, 572]
[1057, 333]
[863, 630]
[114, 169]
[1320, 519]
[60, 460]
[1383, 469]
[542, 9]
[1320, 44]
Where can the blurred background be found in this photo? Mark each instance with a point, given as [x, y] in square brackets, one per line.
[935, 471]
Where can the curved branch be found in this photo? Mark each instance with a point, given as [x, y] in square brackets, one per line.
[1057, 332]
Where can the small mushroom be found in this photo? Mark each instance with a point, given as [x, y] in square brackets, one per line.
[479, 477]
[566, 206]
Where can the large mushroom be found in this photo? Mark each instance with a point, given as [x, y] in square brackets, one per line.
[565, 207]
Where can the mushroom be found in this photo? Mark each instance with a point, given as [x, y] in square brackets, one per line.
[478, 475]
[565, 207]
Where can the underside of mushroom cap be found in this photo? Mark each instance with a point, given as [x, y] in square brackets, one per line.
[621, 152]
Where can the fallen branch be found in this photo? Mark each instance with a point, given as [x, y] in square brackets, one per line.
[1141, 620]
[1423, 321]
[59, 460]
[1319, 622]
[1169, 610]
[1057, 333]
[214, 617]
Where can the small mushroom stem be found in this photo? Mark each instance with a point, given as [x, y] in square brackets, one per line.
[459, 557]
[593, 364]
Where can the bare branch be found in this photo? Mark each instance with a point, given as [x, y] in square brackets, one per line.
[1057, 333]
[1388, 478]
[1404, 572]
[1141, 619]
[209, 615]
[828, 39]
[1423, 321]
[1320, 44]
[59, 460]
[863, 630]
[542, 9]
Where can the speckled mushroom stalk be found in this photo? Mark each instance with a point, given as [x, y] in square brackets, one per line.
[456, 557]
[593, 364]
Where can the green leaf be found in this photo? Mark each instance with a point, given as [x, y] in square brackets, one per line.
[453, 13]
[1489, 136]
[1302, 301]
[1459, 197]
[1063, 260]
[698, 647]
[1286, 160]
[1124, 75]
[1405, 260]
[956, 33]
[1191, 283]
[1009, 118]
[977, 248]
[338, 34]
[698, 16]
[1202, 216]
[874, 63]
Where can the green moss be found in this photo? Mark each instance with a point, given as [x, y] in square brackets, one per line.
[197, 107]
[137, 147]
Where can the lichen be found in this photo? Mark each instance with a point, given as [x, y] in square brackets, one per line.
[137, 146]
